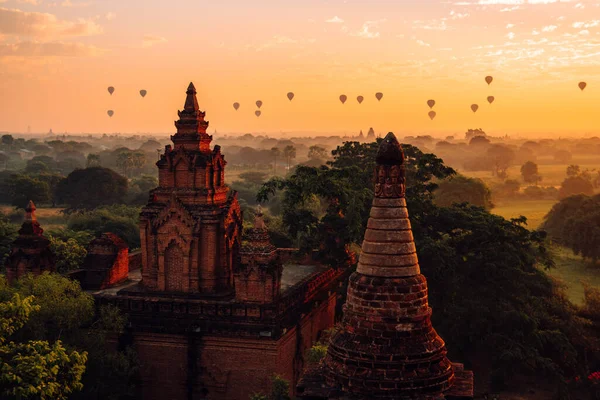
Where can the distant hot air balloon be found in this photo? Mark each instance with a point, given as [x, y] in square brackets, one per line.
[431, 114]
[378, 96]
[343, 98]
[290, 96]
[490, 99]
[431, 103]
[111, 90]
[110, 113]
[489, 79]
[236, 106]
[143, 93]
[474, 107]
[258, 103]
[582, 85]
[360, 99]
[257, 113]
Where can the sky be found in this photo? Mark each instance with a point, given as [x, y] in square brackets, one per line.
[57, 58]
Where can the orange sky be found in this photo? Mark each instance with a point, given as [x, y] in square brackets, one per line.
[57, 57]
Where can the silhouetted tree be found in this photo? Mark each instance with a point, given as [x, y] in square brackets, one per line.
[529, 172]
[86, 189]
[461, 189]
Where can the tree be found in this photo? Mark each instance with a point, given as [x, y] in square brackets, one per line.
[575, 185]
[574, 222]
[460, 189]
[8, 140]
[502, 158]
[471, 133]
[8, 234]
[125, 162]
[573, 170]
[23, 188]
[563, 156]
[119, 219]
[36, 167]
[34, 369]
[480, 141]
[145, 183]
[254, 177]
[529, 172]
[93, 160]
[289, 152]
[86, 189]
[275, 152]
[317, 152]
[69, 254]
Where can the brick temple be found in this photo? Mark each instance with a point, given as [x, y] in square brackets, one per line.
[30, 252]
[386, 347]
[211, 316]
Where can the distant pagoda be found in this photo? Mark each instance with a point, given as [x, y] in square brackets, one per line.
[30, 252]
[386, 347]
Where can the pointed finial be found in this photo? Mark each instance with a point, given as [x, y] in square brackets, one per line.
[390, 152]
[30, 212]
[191, 103]
[259, 223]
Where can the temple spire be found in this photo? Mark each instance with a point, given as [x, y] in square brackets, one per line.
[30, 212]
[387, 347]
[30, 226]
[191, 102]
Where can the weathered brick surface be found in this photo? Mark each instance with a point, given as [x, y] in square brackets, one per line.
[106, 263]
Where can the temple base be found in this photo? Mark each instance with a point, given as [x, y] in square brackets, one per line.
[312, 386]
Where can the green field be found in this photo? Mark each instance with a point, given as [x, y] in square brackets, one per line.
[574, 272]
[534, 210]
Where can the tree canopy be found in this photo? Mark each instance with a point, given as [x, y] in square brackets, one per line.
[461, 189]
[89, 188]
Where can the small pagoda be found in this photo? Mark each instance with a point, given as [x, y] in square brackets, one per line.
[30, 252]
[387, 347]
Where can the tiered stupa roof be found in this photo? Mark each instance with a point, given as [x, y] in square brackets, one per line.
[387, 347]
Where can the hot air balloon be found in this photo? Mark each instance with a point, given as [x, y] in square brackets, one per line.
[474, 107]
[258, 103]
[257, 113]
[236, 106]
[490, 99]
[143, 93]
[290, 96]
[360, 99]
[489, 79]
[111, 90]
[431, 114]
[431, 103]
[378, 96]
[582, 85]
[343, 98]
[110, 113]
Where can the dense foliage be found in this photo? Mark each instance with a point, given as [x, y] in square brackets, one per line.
[494, 307]
[574, 222]
[461, 189]
[86, 189]
[64, 315]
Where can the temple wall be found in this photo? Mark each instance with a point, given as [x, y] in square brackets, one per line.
[226, 368]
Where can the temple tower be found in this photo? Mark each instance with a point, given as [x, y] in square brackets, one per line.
[258, 275]
[30, 252]
[191, 226]
[387, 347]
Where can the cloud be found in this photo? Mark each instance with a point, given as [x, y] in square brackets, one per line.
[510, 35]
[69, 3]
[110, 16]
[455, 15]
[422, 43]
[366, 32]
[151, 40]
[549, 28]
[509, 9]
[43, 25]
[335, 20]
[508, 26]
[276, 41]
[49, 49]
[591, 24]
[579, 5]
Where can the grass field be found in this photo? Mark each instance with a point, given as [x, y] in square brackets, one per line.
[573, 271]
[49, 218]
[534, 210]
